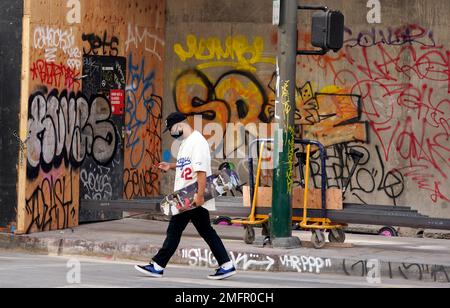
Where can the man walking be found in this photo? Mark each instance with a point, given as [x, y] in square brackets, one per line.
[193, 165]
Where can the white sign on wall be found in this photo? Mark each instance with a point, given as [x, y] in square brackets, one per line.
[276, 12]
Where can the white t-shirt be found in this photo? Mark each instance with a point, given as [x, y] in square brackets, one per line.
[194, 156]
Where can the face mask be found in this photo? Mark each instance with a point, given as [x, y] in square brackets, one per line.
[178, 134]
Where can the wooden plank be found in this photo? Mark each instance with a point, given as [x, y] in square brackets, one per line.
[334, 198]
[23, 124]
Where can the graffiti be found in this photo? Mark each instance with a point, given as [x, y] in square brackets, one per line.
[355, 164]
[404, 35]
[151, 43]
[402, 77]
[285, 98]
[96, 183]
[390, 90]
[252, 261]
[304, 264]
[412, 271]
[143, 113]
[291, 152]
[236, 52]
[330, 116]
[22, 145]
[237, 97]
[103, 73]
[51, 205]
[52, 40]
[143, 116]
[200, 257]
[68, 128]
[96, 43]
[140, 183]
[205, 258]
[54, 75]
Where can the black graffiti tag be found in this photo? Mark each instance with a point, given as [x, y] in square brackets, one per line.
[109, 48]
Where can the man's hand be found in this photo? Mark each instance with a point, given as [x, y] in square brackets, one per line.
[199, 200]
[166, 166]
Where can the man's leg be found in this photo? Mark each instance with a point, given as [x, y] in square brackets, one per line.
[201, 220]
[175, 230]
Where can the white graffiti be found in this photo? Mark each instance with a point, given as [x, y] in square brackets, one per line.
[52, 40]
[151, 42]
[244, 261]
[96, 185]
[200, 257]
[304, 264]
[252, 261]
[68, 127]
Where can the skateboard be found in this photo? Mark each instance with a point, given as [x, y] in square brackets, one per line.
[217, 185]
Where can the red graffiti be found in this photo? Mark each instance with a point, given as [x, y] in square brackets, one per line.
[55, 75]
[403, 76]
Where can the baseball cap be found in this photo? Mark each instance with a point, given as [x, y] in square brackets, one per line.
[174, 118]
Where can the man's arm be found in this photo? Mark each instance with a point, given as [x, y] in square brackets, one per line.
[167, 166]
[199, 199]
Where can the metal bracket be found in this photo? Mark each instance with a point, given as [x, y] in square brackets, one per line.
[312, 52]
[313, 7]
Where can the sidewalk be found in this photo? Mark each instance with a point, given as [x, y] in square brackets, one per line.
[426, 260]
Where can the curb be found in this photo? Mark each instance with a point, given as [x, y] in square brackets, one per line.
[251, 259]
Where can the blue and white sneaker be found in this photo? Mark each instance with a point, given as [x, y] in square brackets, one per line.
[149, 270]
[222, 273]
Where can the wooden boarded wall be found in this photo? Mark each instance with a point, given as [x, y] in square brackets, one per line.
[99, 142]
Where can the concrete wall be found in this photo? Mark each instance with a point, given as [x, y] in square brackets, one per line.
[10, 63]
[400, 67]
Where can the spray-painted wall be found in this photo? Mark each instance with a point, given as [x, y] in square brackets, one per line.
[10, 63]
[83, 59]
[221, 60]
[93, 86]
[221, 63]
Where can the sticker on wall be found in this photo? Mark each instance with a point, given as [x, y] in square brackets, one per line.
[117, 101]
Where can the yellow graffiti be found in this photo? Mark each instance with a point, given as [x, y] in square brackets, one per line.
[236, 97]
[237, 52]
[291, 153]
[286, 99]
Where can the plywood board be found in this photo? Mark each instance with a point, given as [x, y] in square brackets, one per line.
[334, 198]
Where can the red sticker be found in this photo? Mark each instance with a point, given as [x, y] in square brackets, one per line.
[117, 98]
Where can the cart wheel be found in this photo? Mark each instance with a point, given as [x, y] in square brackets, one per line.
[337, 236]
[318, 239]
[249, 236]
[388, 232]
[223, 221]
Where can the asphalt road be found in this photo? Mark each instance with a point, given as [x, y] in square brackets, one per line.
[20, 270]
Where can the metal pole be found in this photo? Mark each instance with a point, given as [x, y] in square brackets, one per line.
[281, 221]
